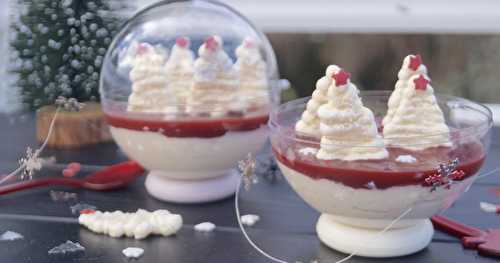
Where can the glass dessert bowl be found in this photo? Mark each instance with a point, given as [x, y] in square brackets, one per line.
[376, 195]
[186, 88]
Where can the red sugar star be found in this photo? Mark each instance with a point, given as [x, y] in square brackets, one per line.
[415, 62]
[142, 48]
[248, 43]
[341, 77]
[211, 43]
[421, 82]
[182, 41]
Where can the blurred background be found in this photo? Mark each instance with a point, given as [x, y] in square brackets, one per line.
[459, 41]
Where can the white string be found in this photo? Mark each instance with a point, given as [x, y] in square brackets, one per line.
[377, 236]
[488, 173]
[240, 224]
[36, 153]
[267, 255]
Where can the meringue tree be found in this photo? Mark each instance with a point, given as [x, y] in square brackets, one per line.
[59, 46]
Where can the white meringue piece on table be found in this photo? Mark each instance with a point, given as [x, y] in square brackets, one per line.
[139, 225]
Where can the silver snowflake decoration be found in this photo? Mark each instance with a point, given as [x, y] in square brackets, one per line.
[446, 175]
[247, 169]
[31, 163]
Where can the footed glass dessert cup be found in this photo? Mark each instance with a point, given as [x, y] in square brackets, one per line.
[186, 88]
[381, 208]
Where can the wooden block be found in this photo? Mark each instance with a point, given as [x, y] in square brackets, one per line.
[73, 129]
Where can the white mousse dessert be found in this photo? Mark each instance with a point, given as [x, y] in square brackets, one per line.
[201, 142]
[353, 176]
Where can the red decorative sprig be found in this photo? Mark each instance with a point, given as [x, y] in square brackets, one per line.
[341, 77]
[182, 41]
[445, 176]
[421, 82]
[415, 62]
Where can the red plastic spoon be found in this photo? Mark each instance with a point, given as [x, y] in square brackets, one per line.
[109, 178]
[487, 243]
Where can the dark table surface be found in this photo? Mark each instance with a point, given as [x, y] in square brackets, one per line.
[286, 229]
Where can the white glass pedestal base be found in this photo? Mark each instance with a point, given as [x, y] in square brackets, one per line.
[370, 243]
[191, 191]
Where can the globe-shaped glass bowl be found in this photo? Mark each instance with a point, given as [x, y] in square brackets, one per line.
[187, 87]
[371, 194]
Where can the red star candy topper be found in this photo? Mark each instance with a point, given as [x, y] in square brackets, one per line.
[248, 43]
[341, 78]
[415, 62]
[182, 41]
[211, 43]
[142, 48]
[421, 82]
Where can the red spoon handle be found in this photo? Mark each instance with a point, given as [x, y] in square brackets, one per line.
[116, 173]
[39, 183]
[454, 228]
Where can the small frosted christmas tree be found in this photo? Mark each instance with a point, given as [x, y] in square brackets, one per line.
[309, 122]
[412, 65]
[252, 72]
[419, 122]
[60, 45]
[215, 86]
[348, 128]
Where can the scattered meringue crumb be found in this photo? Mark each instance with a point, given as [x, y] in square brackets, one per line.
[204, 227]
[249, 220]
[371, 185]
[489, 208]
[406, 159]
[67, 247]
[10, 236]
[308, 151]
[133, 252]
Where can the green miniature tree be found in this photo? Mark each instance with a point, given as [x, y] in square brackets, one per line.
[59, 47]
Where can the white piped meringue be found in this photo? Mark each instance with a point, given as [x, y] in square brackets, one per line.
[309, 123]
[418, 123]
[252, 71]
[404, 74]
[348, 129]
[149, 83]
[139, 225]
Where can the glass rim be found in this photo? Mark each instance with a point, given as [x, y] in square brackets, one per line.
[464, 133]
